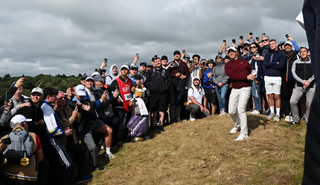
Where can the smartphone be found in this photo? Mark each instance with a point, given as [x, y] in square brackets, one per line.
[241, 37]
[224, 40]
[8, 96]
[22, 75]
[250, 33]
[105, 60]
[137, 54]
[233, 40]
[183, 51]
[257, 38]
[287, 35]
[263, 34]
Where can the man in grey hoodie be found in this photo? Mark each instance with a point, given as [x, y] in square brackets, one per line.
[113, 74]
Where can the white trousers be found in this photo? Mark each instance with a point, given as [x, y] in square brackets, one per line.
[238, 101]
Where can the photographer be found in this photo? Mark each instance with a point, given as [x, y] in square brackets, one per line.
[195, 69]
[179, 72]
[210, 87]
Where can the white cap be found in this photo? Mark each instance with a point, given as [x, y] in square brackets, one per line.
[233, 49]
[80, 90]
[246, 42]
[95, 73]
[124, 66]
[38, 90]
[17, 119]
[288, 42]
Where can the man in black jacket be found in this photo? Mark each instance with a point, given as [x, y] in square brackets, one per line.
[158, 81]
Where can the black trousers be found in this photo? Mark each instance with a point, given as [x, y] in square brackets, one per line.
[77, 151]
[311, 14]
[286, 92]
[119, 129]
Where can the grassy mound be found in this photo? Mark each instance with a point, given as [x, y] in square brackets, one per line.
[204, 152]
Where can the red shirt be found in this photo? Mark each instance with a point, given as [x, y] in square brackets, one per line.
[238, 70]
[39, 146]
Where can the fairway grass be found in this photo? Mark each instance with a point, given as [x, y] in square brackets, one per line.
[204, 152]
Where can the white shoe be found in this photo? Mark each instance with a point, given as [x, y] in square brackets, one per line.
[277, 118]
[287, 119]
[234, 130]
[192, 118]
[241, 137]
[110, 156]
[255, 112]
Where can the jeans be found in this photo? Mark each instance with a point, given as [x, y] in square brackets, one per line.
[221, 94]
[255, 90]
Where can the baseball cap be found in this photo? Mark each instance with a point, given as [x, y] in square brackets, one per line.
[17, 119]
[164, 57]
[150, 65]
[144, 63]
[246, 42]
[133, 66]
[186, 56]
[124, 66]
[89, 78]
[233, 49]
[95, 73]
[38, 90]
[176, 52]
[80, 90]
[83, 77]
[98, 78]
[288, 42]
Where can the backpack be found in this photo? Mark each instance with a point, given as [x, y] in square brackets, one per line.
[21, 146]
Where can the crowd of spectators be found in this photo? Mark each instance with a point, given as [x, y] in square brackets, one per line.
[263, 77]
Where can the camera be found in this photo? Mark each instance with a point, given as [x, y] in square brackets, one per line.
[263, 34]
[105, 60]
[241, 37]
[224, 41]
[287, 35]
[250, 33]
[233, 40]
[257, 38]
[174, 64]
[6, 141]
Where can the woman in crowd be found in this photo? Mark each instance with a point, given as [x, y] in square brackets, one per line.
[209, 86]
[221, 79]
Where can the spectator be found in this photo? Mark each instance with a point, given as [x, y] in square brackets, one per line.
[179, 73]
[288, 81]
[149, 67]
[17, 173]
[197, 102]
[70, 94]
[67, 117]
[123, 84]
[209, 86]
[257, 67]
[134, 76]
[221, 79]
[159, 82]
[53, 148]
[83, 79]
[101, 71]
[142, 70]
[273, 61]
[195, 69]
[238, 71]
[113, 74]
[305, 84]
[164, 61]
[105, 111]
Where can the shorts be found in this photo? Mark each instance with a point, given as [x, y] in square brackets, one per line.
[273, 84]
[158, 102]
[211, 95]
[96, 125]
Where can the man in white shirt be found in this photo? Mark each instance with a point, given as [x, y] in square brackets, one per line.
[197, 102]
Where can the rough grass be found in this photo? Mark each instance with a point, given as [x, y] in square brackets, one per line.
[204, 152]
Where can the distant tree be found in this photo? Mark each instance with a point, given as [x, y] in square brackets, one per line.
[79, 75]
[7, 76]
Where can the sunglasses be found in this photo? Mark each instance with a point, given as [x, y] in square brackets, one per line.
[264, 40]
[253, 47]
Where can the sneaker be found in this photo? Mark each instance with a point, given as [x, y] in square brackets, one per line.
[293, 123]
[255, 112]
[288, 118]
[84, 179]
[267, 113]
[271, 115]
[277, 118]
[241, 137]
[110, 155]
[100, 168]
[178, 121]
[161, 128]
[234, 130]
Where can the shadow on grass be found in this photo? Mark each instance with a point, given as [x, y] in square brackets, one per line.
[256, 121]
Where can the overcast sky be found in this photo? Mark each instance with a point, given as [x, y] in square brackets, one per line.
[74, 36]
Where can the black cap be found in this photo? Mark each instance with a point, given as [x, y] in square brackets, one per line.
[144, 63]
[176, 52]
[164, 57]
[149, 65]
